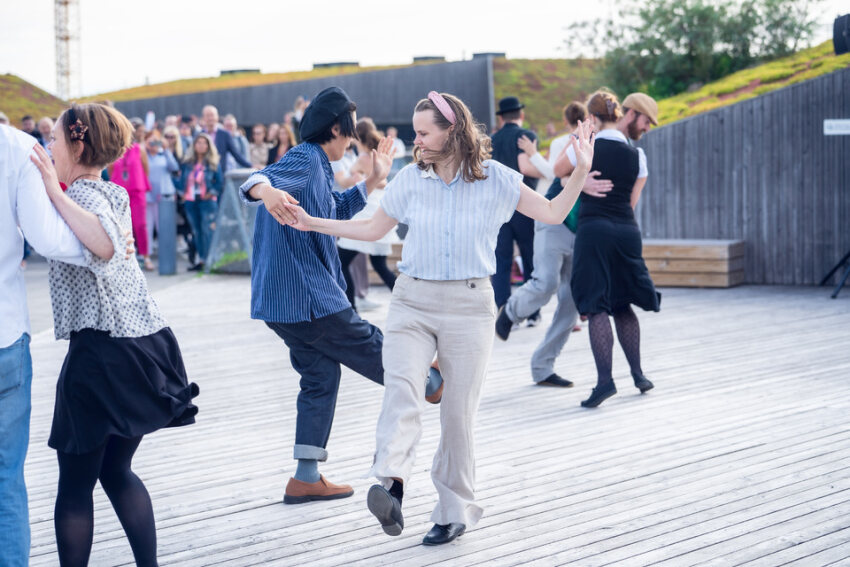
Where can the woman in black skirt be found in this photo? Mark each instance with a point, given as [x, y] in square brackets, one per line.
[609, 274]
[123, 376]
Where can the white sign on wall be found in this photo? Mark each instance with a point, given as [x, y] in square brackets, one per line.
[836, 127]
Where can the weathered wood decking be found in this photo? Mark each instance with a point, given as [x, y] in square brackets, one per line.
[741, 453]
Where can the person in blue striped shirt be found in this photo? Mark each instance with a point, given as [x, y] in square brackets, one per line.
[297, 284]
[454, 201]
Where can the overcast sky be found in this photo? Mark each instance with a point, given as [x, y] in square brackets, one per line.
[125, 44]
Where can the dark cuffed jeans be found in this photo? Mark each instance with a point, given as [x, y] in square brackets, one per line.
[317, 348]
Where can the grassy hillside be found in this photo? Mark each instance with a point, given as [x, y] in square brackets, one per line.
[545, 86]
[19, 98]
[749, 83]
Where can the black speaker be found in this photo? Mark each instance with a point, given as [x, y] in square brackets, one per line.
[841, 34]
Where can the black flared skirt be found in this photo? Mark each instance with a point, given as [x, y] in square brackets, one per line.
[608, 268]
[127, 387]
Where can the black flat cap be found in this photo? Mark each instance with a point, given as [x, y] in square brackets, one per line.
[323, 111]
[509, 104]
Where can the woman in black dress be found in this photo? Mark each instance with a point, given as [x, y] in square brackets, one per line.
[123, 376]
[609, 274]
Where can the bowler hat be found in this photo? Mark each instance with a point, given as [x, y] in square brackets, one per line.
[509, 104]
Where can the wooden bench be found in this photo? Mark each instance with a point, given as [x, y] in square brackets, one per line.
[673, 263]
[695, 263]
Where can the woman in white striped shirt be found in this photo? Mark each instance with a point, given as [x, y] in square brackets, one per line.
[454, 200]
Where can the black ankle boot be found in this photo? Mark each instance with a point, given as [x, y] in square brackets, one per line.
[642, 383]
[600, 394]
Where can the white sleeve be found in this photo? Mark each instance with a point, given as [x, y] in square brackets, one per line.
[42, 225]
[543, 166]
[557, 147]
[255, 179]
[642, 171]
[571, 154]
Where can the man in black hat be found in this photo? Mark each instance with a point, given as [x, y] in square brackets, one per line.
[520, 228]
[297, 287]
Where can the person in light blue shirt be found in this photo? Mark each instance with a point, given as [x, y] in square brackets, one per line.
[454, 201]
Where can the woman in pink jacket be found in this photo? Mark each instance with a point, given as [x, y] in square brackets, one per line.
[131, 173]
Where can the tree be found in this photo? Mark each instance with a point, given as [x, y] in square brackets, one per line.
[664, 47]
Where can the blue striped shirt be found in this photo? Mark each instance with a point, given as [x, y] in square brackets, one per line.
[296, 276]
[453, 228]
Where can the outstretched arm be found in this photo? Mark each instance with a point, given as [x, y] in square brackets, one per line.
[366, 229]
[536, 206]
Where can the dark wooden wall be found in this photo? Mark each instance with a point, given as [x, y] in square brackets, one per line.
[388, 97]
[761, 171]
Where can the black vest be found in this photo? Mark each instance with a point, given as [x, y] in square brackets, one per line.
[505, 150]
[618, 162]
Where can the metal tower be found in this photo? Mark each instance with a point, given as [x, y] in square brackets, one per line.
[67, 31]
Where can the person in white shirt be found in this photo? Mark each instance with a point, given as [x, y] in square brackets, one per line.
[553, 258]
[25, 211]
[455, 201]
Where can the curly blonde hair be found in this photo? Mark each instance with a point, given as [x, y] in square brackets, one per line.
[467, 141]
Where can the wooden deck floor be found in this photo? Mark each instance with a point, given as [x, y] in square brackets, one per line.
[741, 455]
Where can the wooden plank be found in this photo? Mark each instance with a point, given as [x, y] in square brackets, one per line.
[726, 279]
[747, 423]
[674, 265]
[692, 249]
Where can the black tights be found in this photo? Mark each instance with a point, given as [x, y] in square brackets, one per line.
[379, 264]
[602, 341]
[74, 513]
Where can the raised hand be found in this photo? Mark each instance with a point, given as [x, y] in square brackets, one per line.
[48, 171]
[300, 220]
[582, 143]
[527, 145]
[382, 161]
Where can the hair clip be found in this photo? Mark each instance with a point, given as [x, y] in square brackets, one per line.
[611, 107]
[78, 130]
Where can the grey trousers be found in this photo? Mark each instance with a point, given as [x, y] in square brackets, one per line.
[553, 261]
[455, 320]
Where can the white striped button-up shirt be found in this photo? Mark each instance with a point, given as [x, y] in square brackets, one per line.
[452, 228]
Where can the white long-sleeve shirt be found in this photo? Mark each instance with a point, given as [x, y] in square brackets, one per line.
[25, 210]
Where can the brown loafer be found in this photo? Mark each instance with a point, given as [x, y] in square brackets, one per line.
[298, 492]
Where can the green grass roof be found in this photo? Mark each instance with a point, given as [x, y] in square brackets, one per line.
[19, 98]
[749, 83]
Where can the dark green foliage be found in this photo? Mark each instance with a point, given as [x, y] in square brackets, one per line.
[664, 47]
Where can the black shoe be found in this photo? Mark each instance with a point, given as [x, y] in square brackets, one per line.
[199, 267]
[503, 324]
[642, 383]
[600, 394]
[533, 319]
[386, 508]
[439, 535]
[555, 380]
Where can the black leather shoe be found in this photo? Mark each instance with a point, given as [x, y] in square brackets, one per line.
[443, 534]
[555, 380]
[503, 324]
[386, 508]
[600, 394]
[642, 383]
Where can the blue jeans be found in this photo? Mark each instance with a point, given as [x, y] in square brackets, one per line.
[201, 216]
[316, 350]
[15, 386]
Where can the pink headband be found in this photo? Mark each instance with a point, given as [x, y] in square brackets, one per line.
[442, 106]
